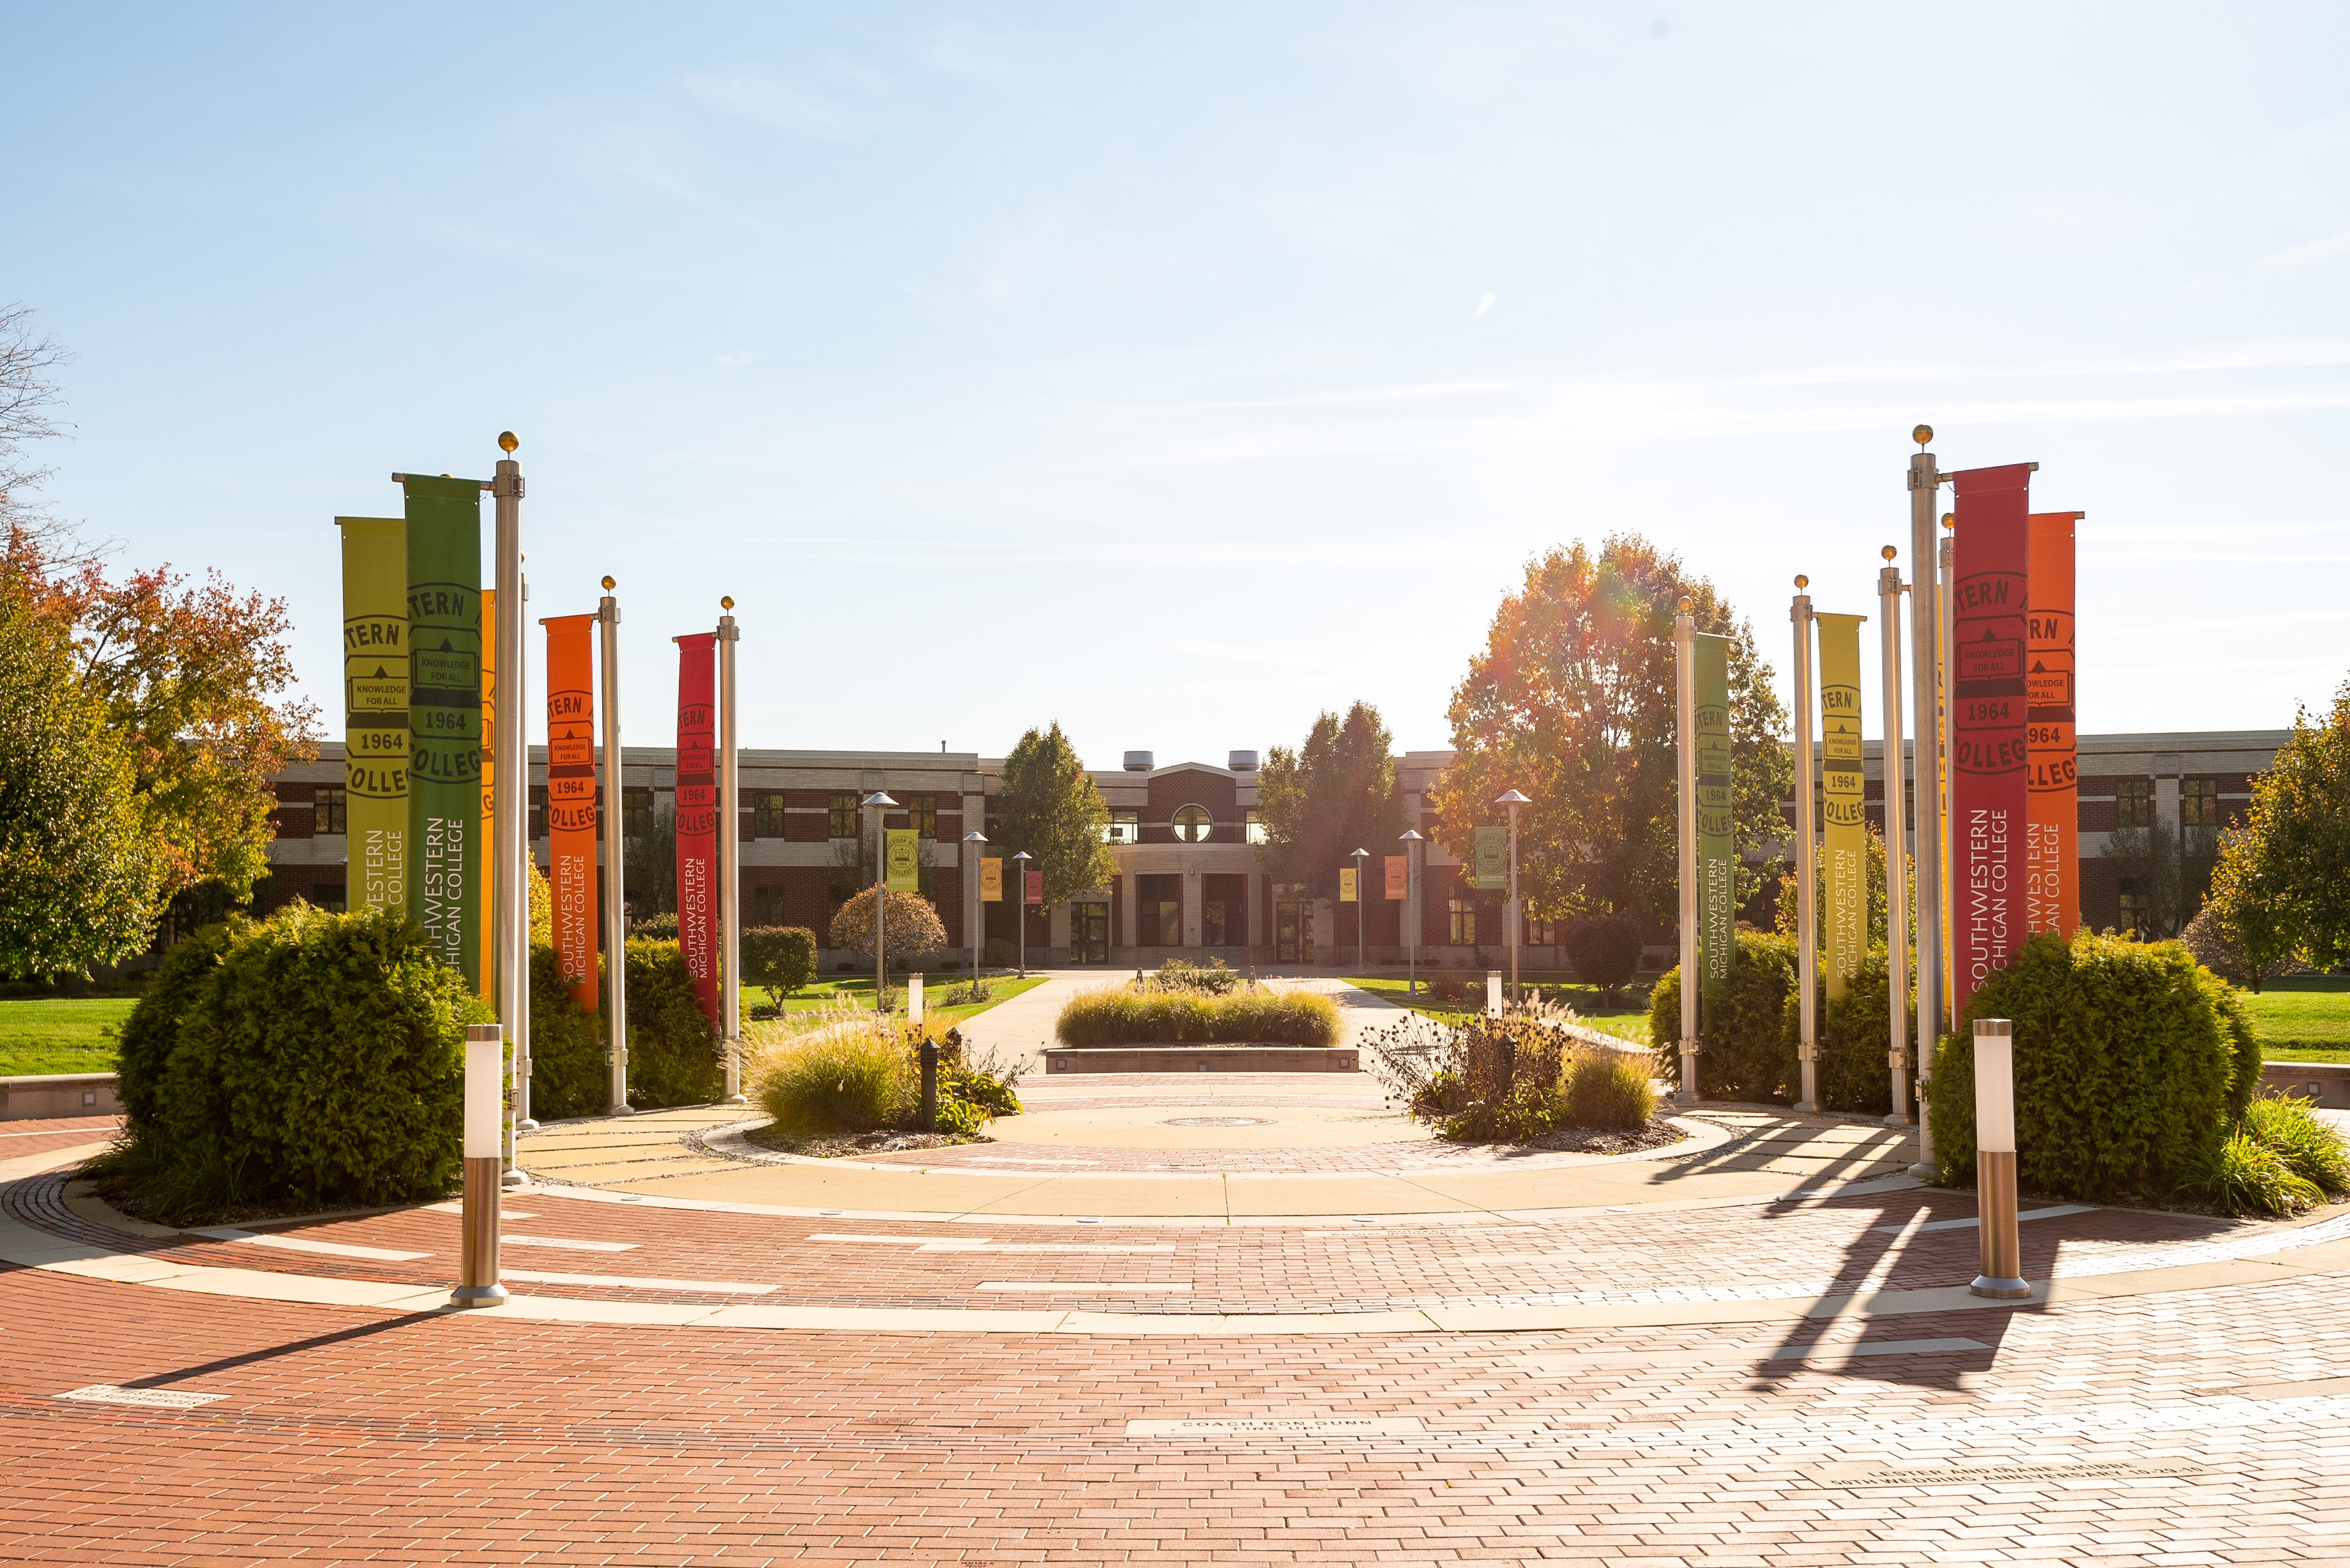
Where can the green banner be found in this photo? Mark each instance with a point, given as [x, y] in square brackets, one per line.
[375, 710]
[1492, 871]
[1717, 852]
[1843, 863]
[444, 710]
[900, 859]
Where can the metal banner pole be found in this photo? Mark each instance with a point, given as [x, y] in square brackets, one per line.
[730, 858]
[1807, 858]
[510, 797]
[1925, 626]
[1685, 775]
[1411, 842]
[477, 1264]
[2002, 1243]
[880, 803]
[615, 909]
[1897, 863]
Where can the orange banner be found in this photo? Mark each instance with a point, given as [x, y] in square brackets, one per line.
[2051, 854]
[489, 793]
[571, 799]
[1398, 870]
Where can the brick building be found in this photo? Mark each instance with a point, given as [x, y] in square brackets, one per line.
[1183, 837]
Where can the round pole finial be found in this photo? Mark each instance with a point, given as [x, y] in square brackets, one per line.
[727, 602]
[1888, 552]
[508, 440]
[1922, 435]
[609, 584]
[1951, 520]
[1685, 603]
[1802, 581]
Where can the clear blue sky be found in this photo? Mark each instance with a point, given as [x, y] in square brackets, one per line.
[1178, 371]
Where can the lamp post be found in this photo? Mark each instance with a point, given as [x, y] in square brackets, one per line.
[1020, 869]
[879, 802]
[1411, 841]
[1515, 919]
[1926, 623]
[510, 801]
[616, 908]
[1362, 911]
[1889, 588]
[972, 844]
[1685, 792]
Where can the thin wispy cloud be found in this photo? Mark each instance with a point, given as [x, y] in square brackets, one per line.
[2331, 249]
[754, 94]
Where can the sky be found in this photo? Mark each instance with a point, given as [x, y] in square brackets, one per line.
[1178, 372]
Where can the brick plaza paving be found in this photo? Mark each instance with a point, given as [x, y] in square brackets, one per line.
[1756, 1348]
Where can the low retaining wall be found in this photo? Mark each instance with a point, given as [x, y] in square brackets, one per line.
[2327, 1082]
[1243, 1059]
[47, 1095]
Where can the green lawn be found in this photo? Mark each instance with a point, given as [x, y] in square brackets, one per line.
[2306, 1018]
[62, 1035]
[1629, 1023]
[859, 991]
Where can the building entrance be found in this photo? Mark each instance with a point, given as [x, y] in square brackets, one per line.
[1090, 933]
[1293, 933]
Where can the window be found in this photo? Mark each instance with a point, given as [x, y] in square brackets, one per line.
[922, 815]
[539, 812]
[332, 815]
[2199, 804]
[767, 813]
[329, 896]
[1125, 827]
[842, 811]
[1212, 923]
[1465, 920]
[2137, 908]
[1543, 933]
[636, 813]
[767, 906]
[1255, 829]
[2134, 803]
[1192, 824]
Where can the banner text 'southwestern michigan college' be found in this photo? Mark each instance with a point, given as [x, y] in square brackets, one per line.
[697, 816]
[1990, 752]
[2052, 863]
[1717, 853]
[444, 710]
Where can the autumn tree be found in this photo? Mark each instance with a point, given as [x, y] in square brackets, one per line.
[77, 886]
[1571, 702]
[34, 542]
[2282, 889]
[909, 924]
[1331, 796]
[1049, 806]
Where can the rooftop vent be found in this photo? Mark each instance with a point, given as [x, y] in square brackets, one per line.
[1138, 762]
[1241, 762]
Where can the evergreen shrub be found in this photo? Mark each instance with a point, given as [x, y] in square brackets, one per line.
[1122, 1015]
[568, 1076]
[2131, 1063]
[781, 958]
[318, 1063]
[675, 1056]
[1749, 1053]
[1606, 951]
[1856, 1038]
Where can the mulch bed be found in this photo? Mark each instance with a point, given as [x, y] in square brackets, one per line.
[1657, 1133]
[852, 1146]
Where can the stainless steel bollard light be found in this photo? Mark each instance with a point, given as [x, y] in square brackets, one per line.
[2002, 1239]
[930, 1086]
[477, 1278]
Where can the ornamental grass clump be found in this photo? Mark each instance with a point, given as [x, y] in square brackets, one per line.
[1515, 1078]
[851, 1073]
[1124, 1015]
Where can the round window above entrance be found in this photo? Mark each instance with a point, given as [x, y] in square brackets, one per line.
[1192, 824]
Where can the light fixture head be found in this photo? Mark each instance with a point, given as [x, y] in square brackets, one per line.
[1922, 435]
[1022, 855]
[508, 440]
[1513, 799]
[877, 797]
[975, 838]
[1413, 836]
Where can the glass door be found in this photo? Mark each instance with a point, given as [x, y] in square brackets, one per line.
[1090, 933]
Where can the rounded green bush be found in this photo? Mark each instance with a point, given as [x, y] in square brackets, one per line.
[2130, 1060]
[1122, 1015]
[318, 1063]
[781, 958]
[1748, 1055]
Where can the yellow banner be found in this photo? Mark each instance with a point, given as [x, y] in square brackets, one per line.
[1845, 855]
[375, 710]
[991, 881]
[1347, 891]
[904, 870]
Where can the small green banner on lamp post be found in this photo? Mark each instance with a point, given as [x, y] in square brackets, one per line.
[1493, 867]
[904, 871]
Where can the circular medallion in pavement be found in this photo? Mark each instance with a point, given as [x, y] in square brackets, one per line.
[1218, 1122]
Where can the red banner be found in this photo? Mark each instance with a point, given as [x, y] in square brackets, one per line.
[2052, 850]
[1036, 888]
[1990, 748]
[697, 817]
[571, 799]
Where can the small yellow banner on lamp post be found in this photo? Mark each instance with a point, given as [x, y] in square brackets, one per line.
[1346, 890]
[991, 881]
[899, 859]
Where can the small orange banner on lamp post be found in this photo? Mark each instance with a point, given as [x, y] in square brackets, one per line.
[1399, 876]
[991, 881]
